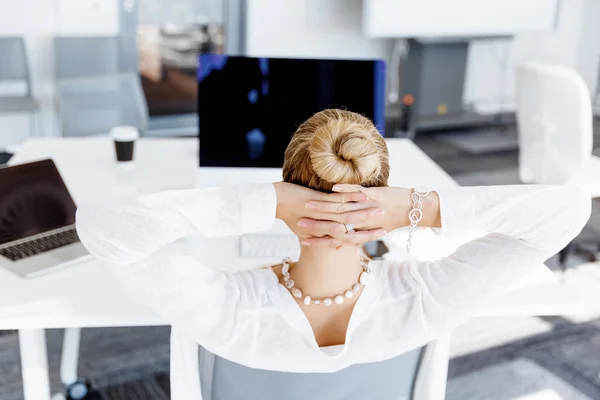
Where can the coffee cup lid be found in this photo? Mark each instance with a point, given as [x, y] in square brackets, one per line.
[124, 133]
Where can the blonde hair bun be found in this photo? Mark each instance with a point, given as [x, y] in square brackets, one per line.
[343, 151]
[336, 146]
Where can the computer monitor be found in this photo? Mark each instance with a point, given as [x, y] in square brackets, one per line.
[249, 108]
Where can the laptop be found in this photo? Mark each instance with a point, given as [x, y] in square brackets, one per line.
[37, 220]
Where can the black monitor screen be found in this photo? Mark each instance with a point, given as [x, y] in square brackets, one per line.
[249, 108]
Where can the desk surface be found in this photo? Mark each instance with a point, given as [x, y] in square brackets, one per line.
[87, 295]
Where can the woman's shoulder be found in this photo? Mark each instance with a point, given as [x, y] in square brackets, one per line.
[395, 277]
[256, 285]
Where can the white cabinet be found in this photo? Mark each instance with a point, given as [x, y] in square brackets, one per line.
[427, 18]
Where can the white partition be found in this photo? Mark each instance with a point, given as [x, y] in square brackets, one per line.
[432, 18]
[310, 28]
[87, 17]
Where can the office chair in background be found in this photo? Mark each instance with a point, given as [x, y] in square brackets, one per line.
[555, 127]
[93, 91]
[93, 105]
[14, 68]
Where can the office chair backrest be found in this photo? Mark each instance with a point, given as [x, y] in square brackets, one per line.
[554, 118]
[13, 60]
[204, 375]
[94, 105]
[86, 56]
[389, 379]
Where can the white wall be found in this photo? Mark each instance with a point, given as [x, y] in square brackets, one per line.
[457, 18]
[310, 28]
[87, 17]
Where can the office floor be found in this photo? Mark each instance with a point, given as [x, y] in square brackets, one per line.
[493, 359]
[524, 358]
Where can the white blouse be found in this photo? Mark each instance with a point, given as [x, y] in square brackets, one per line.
[248, 317]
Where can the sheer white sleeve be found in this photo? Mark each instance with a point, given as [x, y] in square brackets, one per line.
[138, 240]
[526, 225]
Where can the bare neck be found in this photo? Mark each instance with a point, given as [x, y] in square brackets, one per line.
[327, 272]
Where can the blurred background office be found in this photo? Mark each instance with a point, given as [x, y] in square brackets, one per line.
[496, 92]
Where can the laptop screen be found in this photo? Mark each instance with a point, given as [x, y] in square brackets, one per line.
[33, 199]
[249, 108]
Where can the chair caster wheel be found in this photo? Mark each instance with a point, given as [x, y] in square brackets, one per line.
[82, 391]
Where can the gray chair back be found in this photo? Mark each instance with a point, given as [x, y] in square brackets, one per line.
[86, 56]
[391, 379]
[94, 105]
[13, 61]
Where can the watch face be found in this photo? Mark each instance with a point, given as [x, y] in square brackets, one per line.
[249, 108]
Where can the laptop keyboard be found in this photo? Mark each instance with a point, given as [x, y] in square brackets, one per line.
[39, 245]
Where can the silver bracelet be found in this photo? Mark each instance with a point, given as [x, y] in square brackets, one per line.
[415, 215]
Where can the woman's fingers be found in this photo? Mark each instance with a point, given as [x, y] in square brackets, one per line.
[321, 228]
[360, 237]
[332, 224]
[337, 208]
[348, 238]
[318, 229]
[343, 197]
[347, 188]
[326, 241]
[355, 217]
[366, 218]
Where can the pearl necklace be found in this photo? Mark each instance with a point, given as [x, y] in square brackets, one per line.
[327, 301]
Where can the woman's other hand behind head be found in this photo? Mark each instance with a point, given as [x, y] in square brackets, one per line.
[395, 202]
[293, 207]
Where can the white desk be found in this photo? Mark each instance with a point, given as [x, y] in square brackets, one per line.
[67, 299]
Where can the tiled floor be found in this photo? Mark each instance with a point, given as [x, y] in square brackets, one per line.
[497, 382]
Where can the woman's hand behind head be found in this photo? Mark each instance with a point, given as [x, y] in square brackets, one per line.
[325, 228]
[395, 202]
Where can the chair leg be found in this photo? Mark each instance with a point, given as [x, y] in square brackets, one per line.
[587, 253]
[562, 257]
